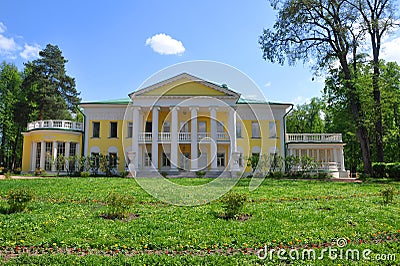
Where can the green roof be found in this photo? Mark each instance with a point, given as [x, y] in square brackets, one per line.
[122, 101]
[127, 100]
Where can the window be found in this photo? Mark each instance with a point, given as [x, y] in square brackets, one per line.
[112, 159]
[165, 160]
[96, 130]
[238, 129]
[113, 129]
[72, 149]
[202, 126]
[240, 161]
[255, 130]
[60, 148]
[184, 127]
[166, 127]
[220, 159]
[38, 154]
[130, 129]
[49, 155]
[272, 130]
[148, 127]
[220, 127]
[95, 159]
[147, 159]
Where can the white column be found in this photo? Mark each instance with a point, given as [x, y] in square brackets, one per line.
[67, 146]
[213, 144]
[53, 167]
[174, 138]
[154, 137]
[317, 155]
[232, 133]
[194, 150]
[341, 156]
[33, 156]
[136, 130]
[335, 158]
[42, 154]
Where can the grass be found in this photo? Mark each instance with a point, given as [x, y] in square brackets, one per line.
[65, 218]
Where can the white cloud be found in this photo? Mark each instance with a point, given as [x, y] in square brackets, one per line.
[2, 27]
[165, 45]
[391, 50]
[268, 84]
[30, 51]
[7, 46]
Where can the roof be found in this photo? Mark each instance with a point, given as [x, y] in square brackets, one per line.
[121, 101]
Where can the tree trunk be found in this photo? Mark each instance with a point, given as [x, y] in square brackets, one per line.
[355, 107]
[378, 116]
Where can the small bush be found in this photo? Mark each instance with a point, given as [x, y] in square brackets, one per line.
[85, 174]
[17, 171]
[379, 169]
[18, 199]
[233, 203]
[118, 205]
[124, 174]
[200, 174]
[40, 172]
[164, 174]
[387, 194]
[7, 175]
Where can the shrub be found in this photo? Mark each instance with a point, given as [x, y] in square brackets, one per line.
[164, 174]
[39, 172]
[18, 199]
[17, 171]
[117, 205]
[379, 169]
[7, 175]
[85, 174]
[200, 174]
[233, 203]
[124, 174]
[387, 194]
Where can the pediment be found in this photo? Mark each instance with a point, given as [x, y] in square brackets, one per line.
[185, 85]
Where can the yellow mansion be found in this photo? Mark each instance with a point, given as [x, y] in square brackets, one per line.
[182, 124]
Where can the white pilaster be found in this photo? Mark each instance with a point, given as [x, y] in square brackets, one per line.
[136, 130]
[213, 131]
[335, 157]
[53, 167]
[154, 139]
[174, 137]
[193, 142]
[33, 156]
[42, 154]
[341, 156]
[67, 146]
[232, 134]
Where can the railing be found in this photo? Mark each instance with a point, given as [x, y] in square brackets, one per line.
[55, 124]
[298, 137]
[164, 136]
[203, 135]
[184, 137]
[222, 136]
[145, 137]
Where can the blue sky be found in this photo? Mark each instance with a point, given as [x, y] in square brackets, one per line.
[114, 46]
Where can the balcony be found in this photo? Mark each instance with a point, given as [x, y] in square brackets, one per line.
[55, 124]
[312, 138]
[183, 137]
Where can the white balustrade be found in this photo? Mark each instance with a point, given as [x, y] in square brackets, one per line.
[55, 124]
[298, 137]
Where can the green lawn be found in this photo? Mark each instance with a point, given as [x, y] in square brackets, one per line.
[64, 222]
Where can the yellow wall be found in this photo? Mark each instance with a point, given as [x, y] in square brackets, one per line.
[184, 87]
[48, 136]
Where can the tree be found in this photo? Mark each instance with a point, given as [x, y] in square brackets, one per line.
[51, 91]
[321, 31]
[13, 118]
[378, 18]
[307, 118]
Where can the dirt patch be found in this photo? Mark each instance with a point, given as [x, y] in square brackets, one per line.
[127, 218]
